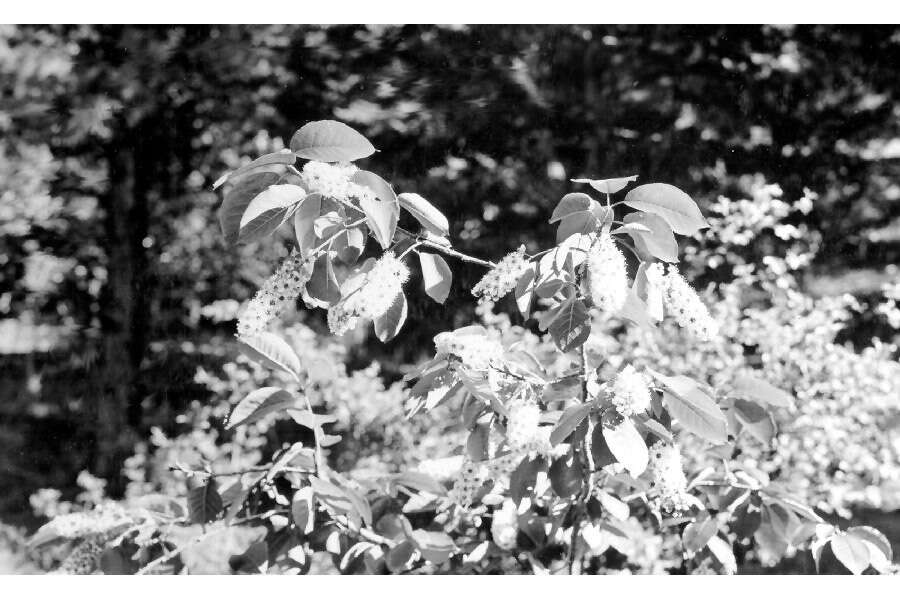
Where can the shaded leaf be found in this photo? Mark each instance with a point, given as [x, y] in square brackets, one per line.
[268, 211]
[435, 546]
[571, 326]
[658, 240]
[570, 419]
[204, 503]
[238, 198]
[323, 285]
[753, 388]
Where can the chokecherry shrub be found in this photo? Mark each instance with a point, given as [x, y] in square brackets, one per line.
[568, 458]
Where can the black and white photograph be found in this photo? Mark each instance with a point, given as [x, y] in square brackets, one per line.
[458, 299]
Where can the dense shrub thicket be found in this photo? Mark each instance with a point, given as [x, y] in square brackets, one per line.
[622, 425]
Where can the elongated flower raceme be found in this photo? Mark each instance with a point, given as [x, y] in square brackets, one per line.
[522, 422]
[468, 482]
[378, 290]
[279, 290]
[84, 558]
[607, 276]
[669, 485]
[683, 302]
[656, 291]
[501, 279]
[505, 525]
[332, 181]
[630, 392]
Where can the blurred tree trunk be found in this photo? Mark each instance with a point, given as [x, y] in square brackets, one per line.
[123, 310]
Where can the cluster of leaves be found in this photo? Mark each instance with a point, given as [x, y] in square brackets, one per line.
[569, 458]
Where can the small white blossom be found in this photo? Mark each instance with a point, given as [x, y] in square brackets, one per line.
[501, 279]
[475, 351]
[279, 290]
[689, 311]
[375, 295]
[607, 277]
[505, 525]
[630, 392]
[669, 484]
[333, 181]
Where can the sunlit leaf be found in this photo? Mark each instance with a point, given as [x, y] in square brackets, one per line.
[330, 141]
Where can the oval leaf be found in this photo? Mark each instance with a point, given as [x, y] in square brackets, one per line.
[625, 443]
[436, 276]
[608, 186]
[382, 211]
[258, 404]
[851, 551]
[238, 198]
[569, 421]
[284, 157]
[330, 141]
[425, 213]
[670, 203]
[269, 349]
[388, 325]
[268, 210]
[658, 240]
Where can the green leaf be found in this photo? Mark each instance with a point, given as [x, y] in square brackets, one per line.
[341, 501]
[349, 245]
[874, 537]
[571, 326]
[477, 442]
[268, 211]
[419, 482]
[436, 276]
[382, 211]
[571, 204]
[567, 475]
[435, 546]
[608, 186]
[613, 505]
[756, 420]
[204, 503]
[304, 223]
[670, 203]
[425, 213]
[524, 477]
[851, 551]
[600, 452]
[759, 390]
[388, 325]
[284, 157]
[269, 349]
[624, 442]
[258, 404]
[238, 198]
[330, 141]
[724, 554]
[698, 533]
[323, 285]
[399, 556]
[694, 409]
[255, 559]
[571, 418]
[582, 222]
[658, 241]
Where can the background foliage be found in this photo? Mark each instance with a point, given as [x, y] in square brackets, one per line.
[117, 345]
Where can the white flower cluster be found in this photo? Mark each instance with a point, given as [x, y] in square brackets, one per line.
[378, 290]
[502, 279]
[630, 392]
[505, 525]
[522, 422]
[475, 351]
[83, 524]
[669, 482]
[683, 302]
[84, 559]
[468, 481]
[333, 181]
[607, 277]
[279, 290]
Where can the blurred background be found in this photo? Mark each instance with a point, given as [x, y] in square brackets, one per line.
[117, 293]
